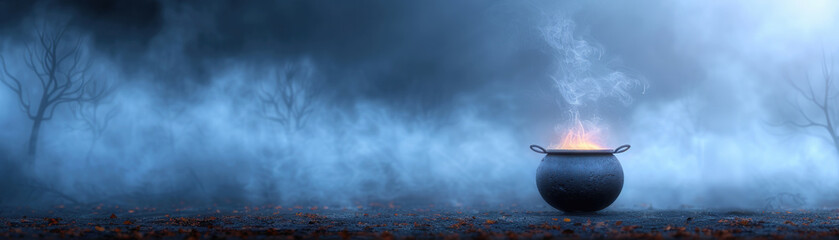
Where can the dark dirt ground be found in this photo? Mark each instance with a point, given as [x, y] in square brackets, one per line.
[388, 221]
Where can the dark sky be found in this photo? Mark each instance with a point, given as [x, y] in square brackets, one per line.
[413, 55]
[457, 89]
[393, 52]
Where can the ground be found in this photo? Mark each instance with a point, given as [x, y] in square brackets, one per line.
[388, 221]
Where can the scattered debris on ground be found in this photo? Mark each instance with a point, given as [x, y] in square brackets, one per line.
[387, 221]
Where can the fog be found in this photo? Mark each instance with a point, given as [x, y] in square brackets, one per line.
[424, 103]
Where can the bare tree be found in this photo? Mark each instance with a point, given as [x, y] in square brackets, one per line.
[818, 100]
[60, 67]
[91, 114]
[289, 99]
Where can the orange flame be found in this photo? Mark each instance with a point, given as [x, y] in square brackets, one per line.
[578, 139]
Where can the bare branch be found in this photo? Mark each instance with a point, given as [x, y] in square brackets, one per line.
[288, 98]
[88, 112]
[822, 103]
[16, 87]
[804, 125]
[62, 69]
[809, 121]
[810, 96]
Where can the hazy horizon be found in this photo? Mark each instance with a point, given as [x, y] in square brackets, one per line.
[431, 102]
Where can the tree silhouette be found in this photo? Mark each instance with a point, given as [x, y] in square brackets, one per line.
[95, 117]
[818, 100]
[289, 99]
[60, 67]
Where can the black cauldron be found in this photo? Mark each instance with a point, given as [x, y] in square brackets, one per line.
[579, 180]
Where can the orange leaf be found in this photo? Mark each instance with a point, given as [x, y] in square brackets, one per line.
[99, 228]
[113, 216]
[566, 220]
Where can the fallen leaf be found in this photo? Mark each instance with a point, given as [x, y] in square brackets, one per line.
[99, 228]
[566, 220]
[113, 216]
[629, 228]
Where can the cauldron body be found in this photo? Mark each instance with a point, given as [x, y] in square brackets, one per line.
[579, 181]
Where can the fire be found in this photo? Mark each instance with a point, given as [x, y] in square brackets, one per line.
[578, 139]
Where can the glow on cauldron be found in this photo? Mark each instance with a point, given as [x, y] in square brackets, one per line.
[579, 175]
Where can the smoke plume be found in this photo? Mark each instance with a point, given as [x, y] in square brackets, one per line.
[585, 81]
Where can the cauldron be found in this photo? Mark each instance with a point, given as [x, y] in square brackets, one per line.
[579, 180]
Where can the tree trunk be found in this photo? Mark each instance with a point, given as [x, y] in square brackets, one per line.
[33, 136]
[90, 150]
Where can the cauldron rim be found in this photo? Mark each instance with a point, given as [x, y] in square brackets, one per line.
[580, 152]
[539, 149]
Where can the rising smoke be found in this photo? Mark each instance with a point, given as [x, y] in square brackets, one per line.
[585, 81]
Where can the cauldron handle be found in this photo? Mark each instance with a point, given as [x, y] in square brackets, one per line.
[538, 149]
[622, 148]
